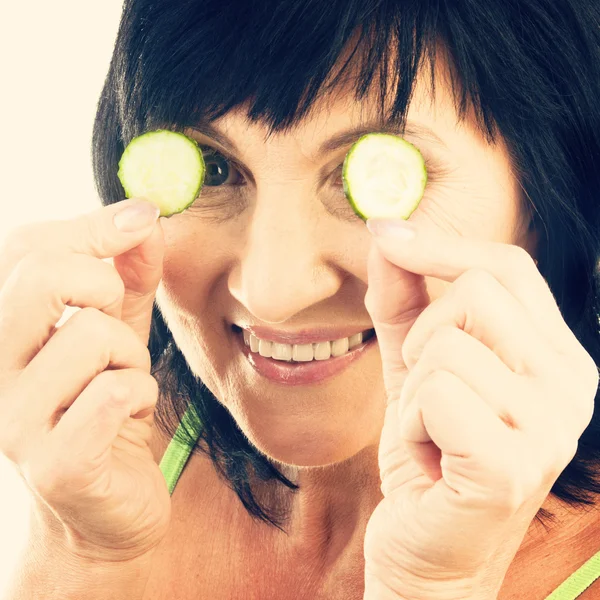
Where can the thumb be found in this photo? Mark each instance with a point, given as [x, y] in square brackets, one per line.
[394, 299]
[141, 270]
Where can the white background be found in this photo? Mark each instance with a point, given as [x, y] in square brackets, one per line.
[54, 58]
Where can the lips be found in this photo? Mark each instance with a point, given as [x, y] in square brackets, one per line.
[302, 373]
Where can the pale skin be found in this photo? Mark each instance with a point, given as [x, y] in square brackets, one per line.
[225, 261]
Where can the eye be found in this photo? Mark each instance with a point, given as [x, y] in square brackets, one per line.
[220, 170]
[433, 167]
[336, 176]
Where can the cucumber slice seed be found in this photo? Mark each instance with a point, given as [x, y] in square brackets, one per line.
[384, 176]
[165, 167]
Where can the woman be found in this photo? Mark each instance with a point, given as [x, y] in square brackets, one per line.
[451, 455]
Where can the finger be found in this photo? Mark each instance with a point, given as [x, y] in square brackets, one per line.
[95, 419]
[437, 254]
[394, 299]
[455, 351]
[502, 334]
[88, 343]
[478, 304]
[447, 418]
[396, 466]
[94, 234]
[141, 269]
[37, 292]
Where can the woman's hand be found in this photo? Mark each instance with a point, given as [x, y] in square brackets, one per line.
[488, 394]
[77, 402]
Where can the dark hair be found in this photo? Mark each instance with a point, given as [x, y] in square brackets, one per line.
[529, 68]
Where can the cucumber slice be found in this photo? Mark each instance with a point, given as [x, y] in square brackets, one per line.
[165, 167]
[384, 177]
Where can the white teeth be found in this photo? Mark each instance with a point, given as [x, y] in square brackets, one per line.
[355, 340]
[281, 351]
[264, 348]
[339, 347]
[322, 350]
[302, 352]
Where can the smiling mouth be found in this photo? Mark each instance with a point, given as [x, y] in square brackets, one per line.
[290, 369]
[303, 353]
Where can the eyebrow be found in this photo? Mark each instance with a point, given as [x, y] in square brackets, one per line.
[339, 140]
[211, 131]
[349, 136]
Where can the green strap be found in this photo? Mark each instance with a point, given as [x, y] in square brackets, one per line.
[579, 581]
[179, 449]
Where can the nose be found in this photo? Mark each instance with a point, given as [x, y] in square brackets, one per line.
[284, 267]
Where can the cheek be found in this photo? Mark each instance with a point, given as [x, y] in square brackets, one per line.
[349, 249]
[194, 259]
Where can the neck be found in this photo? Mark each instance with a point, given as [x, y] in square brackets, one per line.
[329, 513]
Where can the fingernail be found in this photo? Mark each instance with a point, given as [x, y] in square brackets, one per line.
[396, 228]
[136, 217]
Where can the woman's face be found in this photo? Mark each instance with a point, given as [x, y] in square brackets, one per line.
[275, 243]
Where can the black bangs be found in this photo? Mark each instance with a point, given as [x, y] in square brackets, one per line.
[187, 61]
[182, 62]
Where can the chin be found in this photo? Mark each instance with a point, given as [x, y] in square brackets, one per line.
[322, 442]
[307, 426]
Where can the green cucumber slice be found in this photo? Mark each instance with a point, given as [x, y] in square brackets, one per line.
[384, 177]
[165, 167]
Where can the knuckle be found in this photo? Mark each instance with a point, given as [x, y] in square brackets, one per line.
[92, 322]
[518, 256]
[116, 388]
[92, 328]
[117, 395]
[147, 359]
[436, 383]
[138, 351]
[143, 353]
[32, 270]
[517, 263]
[119, 387]
[153, 387]
[109, 332]
[442, 342]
